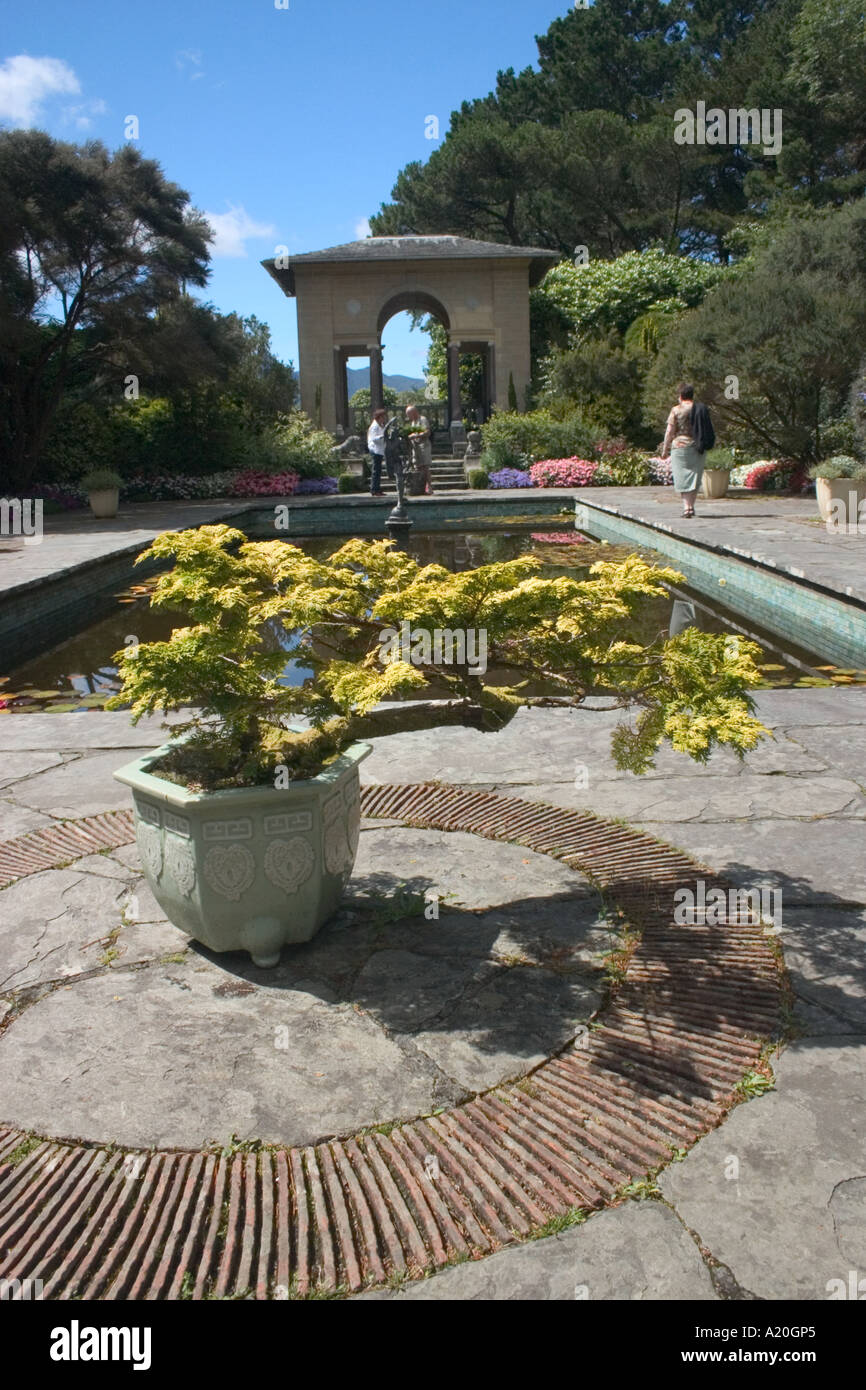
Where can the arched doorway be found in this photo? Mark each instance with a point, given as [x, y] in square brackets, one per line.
[478, 290]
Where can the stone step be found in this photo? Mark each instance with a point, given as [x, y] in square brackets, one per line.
[439, 486]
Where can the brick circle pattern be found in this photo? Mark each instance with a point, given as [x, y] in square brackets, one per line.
[660, 1067]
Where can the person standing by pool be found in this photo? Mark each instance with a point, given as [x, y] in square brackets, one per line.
[422, 447]
[376, 450]
[688, 435]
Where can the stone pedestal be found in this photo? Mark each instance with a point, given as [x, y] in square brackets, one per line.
[458, 439]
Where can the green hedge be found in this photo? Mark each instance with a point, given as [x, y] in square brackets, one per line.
[350, 482]
[193, 437]
[512, 440]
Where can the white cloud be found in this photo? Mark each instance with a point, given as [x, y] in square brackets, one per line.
[81, 115]
[26, 82]
[231, 229]
[188, 60]
[363, 229]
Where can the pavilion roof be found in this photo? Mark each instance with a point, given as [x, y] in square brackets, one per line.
[412, 248]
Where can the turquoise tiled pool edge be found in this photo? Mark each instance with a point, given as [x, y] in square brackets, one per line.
[795, 608]
[358, 514]
[41, 612]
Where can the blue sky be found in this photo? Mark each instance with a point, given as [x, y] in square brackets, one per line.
[286, 126]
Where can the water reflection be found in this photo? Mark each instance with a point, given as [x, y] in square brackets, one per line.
[683, 614]
[80, 673]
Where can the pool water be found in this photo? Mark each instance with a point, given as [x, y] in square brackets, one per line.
[79, 674]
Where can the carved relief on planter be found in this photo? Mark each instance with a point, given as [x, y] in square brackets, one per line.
[229, 870]
[338, 855]
[149, 841]
[180, 864]
[352, 795]
[289, 863]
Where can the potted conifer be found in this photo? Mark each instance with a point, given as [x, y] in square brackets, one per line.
[247, 821]
[840, 486]
[102, 486]
[717, 472]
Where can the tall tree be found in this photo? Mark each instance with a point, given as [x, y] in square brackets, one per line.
[91, 245]
[775, 346]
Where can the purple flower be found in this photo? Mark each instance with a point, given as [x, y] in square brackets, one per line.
[323, 486]
[510, 477]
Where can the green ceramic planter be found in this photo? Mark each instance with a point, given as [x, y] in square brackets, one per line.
[253, 868]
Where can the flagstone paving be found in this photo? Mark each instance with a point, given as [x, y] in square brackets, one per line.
[791, 817]
[676, 1038]
[785, 532]
[383, 1016]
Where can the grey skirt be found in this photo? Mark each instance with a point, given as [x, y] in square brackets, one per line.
[688, 468]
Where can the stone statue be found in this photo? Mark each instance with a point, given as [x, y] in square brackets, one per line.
[473, 445]
[458, 439]
[351, 446]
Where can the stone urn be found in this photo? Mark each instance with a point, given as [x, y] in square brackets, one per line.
[104, 502]
[716, 481]
[251, 868]
[473, 448]
[845, 493]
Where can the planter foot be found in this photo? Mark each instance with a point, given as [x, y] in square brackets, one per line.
[263, 938]
[267, 962]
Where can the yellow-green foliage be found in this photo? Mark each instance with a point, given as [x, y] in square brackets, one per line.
[244, 597]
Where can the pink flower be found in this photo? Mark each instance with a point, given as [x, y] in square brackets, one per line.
[559, 537]
[252, 483]
[572, 472]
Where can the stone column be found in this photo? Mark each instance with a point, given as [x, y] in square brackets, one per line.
[491, 380]
[377, 384]
[341, 389]
[455, 407]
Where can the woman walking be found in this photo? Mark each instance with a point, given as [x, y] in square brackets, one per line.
[688, 435]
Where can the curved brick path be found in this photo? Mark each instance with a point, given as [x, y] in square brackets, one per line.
[690, 1018]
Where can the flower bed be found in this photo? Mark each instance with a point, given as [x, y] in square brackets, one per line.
[309, 487]
[61, 498]
[661, 471]
[174, 487]
[251, 483]
[572, 472]
[777, 475]
[510, 477]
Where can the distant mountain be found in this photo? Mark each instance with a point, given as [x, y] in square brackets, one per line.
[360, 376]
